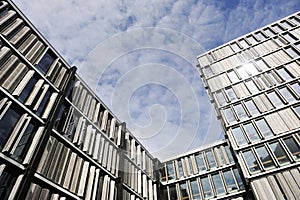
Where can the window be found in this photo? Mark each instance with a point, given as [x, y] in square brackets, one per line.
[238, 178]
[208, 71]
[292, 52]
[232, 76]
[218, 184]
[220, 97]
[235, 47]
[287, 95]
[276, 101]
[250, 69]
[206, 187]
[45, 62]
[220, 155]
[297, 109]
[269, 32]
[195, 190]
[170, 169]
[180, 168]
[289, 37]
[163, 174]
[240, 111]
[7, 181]
[229, 115]
[265, 157]
[229, 180]
[260, 36]
[27, 90]
[286, 24]
[242, 72]
[279, 153]
[251, 107]
[293, 147]
[229, 154]
[277, 28]
[230, 94]
[211, 159]
[252, 40]
[296, 88]
[251, 86]
[284, 74]
[239, 136]
[273, 79]
[264, 128]
[173, 193]
[200, 162]
[251, 132]
[280, 41]
[184, 191]
[261, 64]
[251, 162]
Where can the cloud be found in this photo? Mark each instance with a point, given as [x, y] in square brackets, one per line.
[115, 41]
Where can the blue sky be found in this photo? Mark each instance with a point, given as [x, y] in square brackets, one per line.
[140, 57]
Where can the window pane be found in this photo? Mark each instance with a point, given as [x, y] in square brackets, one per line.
[240, 111]
[7, 124]
[206, 187]
[276, 101]
[238, 178]
[200, 162]
[250, 69]
[239, 136]
[261, 64]
[210, 159]
[293, 147]
[229, 115]
[251, 132]
[180, 168]
[251, 86]
[45, 63]
[251, 107]
[296, 88]
[292, 52]
[287, 95]
[208, 71]
[229, 154]
[269, 32]
[251, 162]
[28, 88]
[264, 128]
[195, 190]
[265, 157]
[170, 169]
[297, 109]
[220, 156]
[279, 153]
[7, 181]
[184, 191]
[163, 174]
[229, 180]
[218, 184]
[221, 99]
[232, 76]
[173, 193]
[284, 74]
[242, 72]
[230, 93]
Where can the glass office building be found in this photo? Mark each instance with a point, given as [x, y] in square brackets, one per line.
[59, 141]
[253, 85]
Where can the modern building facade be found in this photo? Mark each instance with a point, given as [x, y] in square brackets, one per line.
[253, 85]
[59, 141]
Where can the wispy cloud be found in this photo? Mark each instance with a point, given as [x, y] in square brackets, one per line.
[140, 57]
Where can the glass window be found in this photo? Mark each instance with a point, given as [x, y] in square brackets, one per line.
[286, 24]
[7, 124]
[229, 180]
[230, 94]
[220, 156]
[264, 128]
[293, 147]
[163, 174]
[28, 88]
[276, 101]
[218, 184]
[210, 159]
[239, 136]
[195, 190]
[229, 154]
[200, 162]
[269, 32]
[280, 41]
[287, 95]
[265, 157]
[261, 64]
[7, 181]
[260, 36]
[292, 52]
[43, 103]
[173, 193]
[242, 72]
[252, 40]
[297, 109]
[294, 20]
[289, 37]
[251, 86]
[296, 88]
[235, 47]
[273, 79]
[250, 69]
[238, 178]
[251, 107]
[279, 153]
[284, 74]
[184, 191]
[180, 168]
[232, 76]
[229, 115]
[206, 187]
[170, 169]
[220, 97]
[277, 28]
[240, 111]
[251, 162]
[45, 62]
[208, 71]
[251, 132]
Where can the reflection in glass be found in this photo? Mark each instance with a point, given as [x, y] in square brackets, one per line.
[279, 153]
[45, 62]
[229, 180]
[293, 147]
[264, 128]
[230, 94]
[240, 111]
[221, 99]
[172, 192]
[210, 159]
[276, 101]
[232, 76]
[229, 154]
[229, 115]
[284, 74]
[184, 191]
[200, 162]
[251, 107]
[251, 86]
[296, 88]
[251, 162]
[238, 178]
[170, 169]
[218, 184]
[251, 132]
[287, 95]
[265, 157]
[239, 136]
[206, 187]
[180, 169]
[195, 190]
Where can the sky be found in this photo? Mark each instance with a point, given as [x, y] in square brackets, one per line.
[140, 57]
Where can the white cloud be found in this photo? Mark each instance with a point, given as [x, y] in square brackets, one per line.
[81, 29]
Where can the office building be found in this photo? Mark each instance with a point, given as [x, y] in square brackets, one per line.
[59, 141]
[253, 85]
